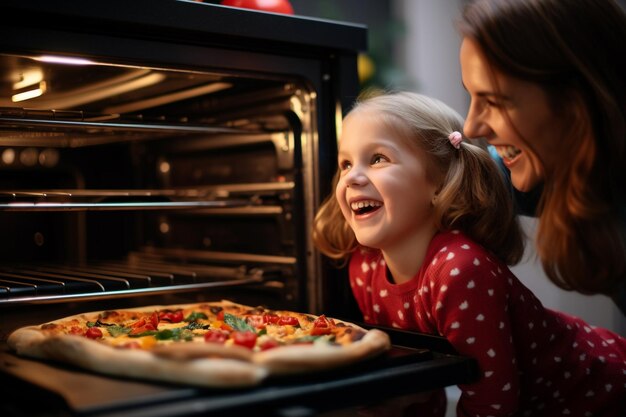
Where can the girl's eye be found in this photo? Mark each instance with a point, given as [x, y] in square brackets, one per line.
[377, 159]
[343, 165]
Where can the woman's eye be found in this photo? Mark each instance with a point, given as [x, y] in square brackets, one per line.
[493, 102]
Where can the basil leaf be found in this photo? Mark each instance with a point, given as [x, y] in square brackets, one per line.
[166, 334]
[237, 323]
[195, 316]
[186, 335]
[116, 331]
[174, 334]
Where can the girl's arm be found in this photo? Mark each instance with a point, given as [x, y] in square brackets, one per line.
[469, 307]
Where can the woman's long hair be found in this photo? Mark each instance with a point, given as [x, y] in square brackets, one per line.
[574, 50]
[472, 195]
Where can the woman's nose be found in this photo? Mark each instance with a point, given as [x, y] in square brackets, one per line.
[475, 127]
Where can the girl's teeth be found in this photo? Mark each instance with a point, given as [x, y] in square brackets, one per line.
[365, 203]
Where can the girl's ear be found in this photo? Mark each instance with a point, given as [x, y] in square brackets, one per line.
[433, 201]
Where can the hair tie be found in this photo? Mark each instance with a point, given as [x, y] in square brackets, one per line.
[455, 139]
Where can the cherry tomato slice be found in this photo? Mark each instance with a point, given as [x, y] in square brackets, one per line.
[270, 318]
[288, 320]
[154, 320]
[246, 339]
[323, 321]
[93, 333]
[139, 323]
[269, 344]
[215, 336]
[172, 316]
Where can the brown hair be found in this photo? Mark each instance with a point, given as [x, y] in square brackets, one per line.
[472, 195]
[574, 50]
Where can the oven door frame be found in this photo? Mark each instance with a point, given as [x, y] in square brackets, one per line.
[187, 35]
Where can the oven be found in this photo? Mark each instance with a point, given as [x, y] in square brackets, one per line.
[170, 152]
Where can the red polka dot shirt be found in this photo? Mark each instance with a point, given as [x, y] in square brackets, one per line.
[533, 361]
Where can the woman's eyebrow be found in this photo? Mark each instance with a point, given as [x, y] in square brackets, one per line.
[489, 93]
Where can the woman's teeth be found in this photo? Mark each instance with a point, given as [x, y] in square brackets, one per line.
[364, 206]
[508, 152]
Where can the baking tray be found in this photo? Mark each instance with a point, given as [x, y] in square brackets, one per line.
[39, 388]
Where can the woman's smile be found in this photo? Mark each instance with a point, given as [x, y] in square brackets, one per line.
[509, 154]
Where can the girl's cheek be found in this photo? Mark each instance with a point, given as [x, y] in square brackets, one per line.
[340, 197]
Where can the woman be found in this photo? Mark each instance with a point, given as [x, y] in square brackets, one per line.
[547, 81]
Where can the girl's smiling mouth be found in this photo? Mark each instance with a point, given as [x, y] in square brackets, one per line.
[362, 207]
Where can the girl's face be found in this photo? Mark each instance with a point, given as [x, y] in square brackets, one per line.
[513, 115]
[383, 190]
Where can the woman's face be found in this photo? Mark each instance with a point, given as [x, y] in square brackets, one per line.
[383, 191]
[512, 115]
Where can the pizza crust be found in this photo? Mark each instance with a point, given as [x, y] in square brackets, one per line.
[195, 363]
[317, 357]
[135, 363]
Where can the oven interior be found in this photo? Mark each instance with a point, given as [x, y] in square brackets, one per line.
[119, 182]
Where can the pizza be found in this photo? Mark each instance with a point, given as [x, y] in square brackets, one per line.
[212, 344]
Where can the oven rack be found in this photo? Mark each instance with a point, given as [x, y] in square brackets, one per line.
[152, 271]
[41, 128]
[247, 198]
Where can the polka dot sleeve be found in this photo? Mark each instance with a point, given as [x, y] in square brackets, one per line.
[468, 302]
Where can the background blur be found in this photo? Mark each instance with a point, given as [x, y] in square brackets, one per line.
[413, 45]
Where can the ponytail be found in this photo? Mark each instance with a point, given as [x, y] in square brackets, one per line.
[474, 199]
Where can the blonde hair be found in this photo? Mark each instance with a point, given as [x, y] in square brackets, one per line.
[472, 194]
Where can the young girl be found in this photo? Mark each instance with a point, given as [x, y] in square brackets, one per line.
[428, 227]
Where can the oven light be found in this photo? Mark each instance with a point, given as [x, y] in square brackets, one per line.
[164, 227]
[8, 156]
[64, 60]
[28, 94]
[28, 78]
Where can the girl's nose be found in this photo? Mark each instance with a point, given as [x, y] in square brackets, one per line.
[355, 177]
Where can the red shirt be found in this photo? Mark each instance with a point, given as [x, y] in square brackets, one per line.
[533, 361]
